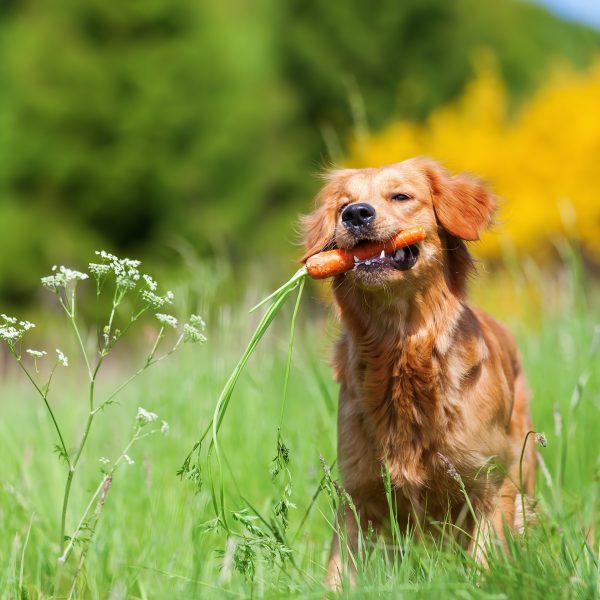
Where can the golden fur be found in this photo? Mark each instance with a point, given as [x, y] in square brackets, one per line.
[427, 382]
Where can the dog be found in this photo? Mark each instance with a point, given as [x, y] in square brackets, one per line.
[431, 389]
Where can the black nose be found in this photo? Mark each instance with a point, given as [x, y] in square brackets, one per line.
[357, 215]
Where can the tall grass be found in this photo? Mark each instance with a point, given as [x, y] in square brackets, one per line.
[153, 542]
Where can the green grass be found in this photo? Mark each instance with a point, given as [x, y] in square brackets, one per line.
[150, 541]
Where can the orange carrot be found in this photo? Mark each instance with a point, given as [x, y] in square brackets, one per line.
[335, 262]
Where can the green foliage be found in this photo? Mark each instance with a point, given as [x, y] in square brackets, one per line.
[131, 125]
[133, 292]
[404, 59]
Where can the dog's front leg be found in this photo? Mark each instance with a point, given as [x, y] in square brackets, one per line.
[343, 553]
[494, 516]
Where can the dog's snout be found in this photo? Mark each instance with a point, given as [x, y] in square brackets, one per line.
[358, 215]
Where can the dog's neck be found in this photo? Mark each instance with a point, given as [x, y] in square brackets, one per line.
[396, 351]
[389, 318]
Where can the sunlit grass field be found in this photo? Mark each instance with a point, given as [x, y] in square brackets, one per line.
[150, 541]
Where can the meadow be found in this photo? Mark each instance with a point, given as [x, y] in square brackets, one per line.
[152, 538]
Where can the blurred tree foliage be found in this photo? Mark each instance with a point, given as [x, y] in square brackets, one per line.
[126, 124]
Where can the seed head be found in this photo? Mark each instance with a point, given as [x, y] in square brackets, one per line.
[450, 468]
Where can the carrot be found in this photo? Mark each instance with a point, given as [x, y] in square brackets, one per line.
[335, 262]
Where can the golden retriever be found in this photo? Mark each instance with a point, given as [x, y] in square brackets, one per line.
[431, 388]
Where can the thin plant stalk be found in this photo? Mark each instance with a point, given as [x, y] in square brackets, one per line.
[22, 566]
[288, 364]
[225, 396]
[521, 483]
[44, 396]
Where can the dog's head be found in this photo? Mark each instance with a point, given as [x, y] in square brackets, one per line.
[376, 203]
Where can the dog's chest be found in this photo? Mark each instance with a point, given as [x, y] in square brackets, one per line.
[409, 405]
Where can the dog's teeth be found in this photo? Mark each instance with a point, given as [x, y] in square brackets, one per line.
[356, 259]
[400, 254]
[382, 255]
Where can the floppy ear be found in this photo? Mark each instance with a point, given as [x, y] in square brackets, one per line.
[463, 205]
[319, 229]
[319, 226]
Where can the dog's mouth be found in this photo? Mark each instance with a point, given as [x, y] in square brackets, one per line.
[402, 259]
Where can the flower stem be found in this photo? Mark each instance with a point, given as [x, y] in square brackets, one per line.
[65, 504]
[73, 464]
[45, 399]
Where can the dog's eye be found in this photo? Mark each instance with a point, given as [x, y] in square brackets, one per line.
[401, 197]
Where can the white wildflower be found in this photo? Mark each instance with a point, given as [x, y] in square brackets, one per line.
[168, 320]
[145, 416]
[164, 428]
[36, 353]
[10, 334]
[541, 439]
[152, 285]
[129, 460]
[12, 331]
[62, 359]
[98, 270]
[198, 322]
[154, 299]
[125, 269]
[192, 331]
[104, 460]
[61, 277]
[106, 256]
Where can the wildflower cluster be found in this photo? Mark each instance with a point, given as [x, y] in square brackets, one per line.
[127, 276]
[168, 320]
[193, 330]
[142, 419]
[144, 416]
[12, 330]
[126, 270]
[124, 276]
[156, 301]
[61, 277]
[62, 359]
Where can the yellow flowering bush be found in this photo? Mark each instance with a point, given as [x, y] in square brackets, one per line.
[543, 161]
